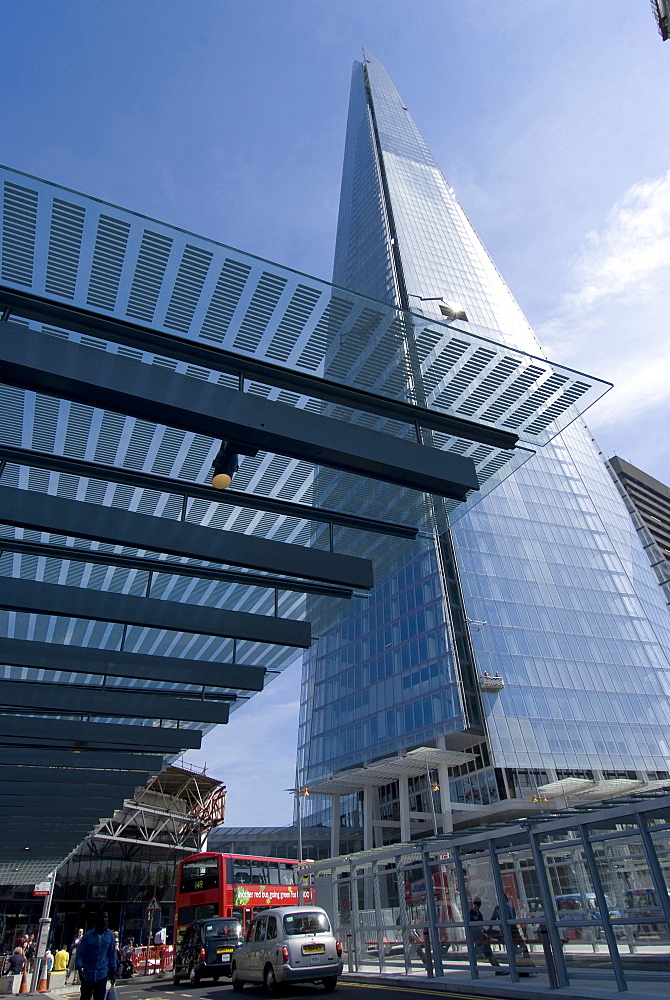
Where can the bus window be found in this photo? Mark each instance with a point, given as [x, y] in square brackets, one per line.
[241, 872]
[259, 873]
[273, 873]
[287, 875]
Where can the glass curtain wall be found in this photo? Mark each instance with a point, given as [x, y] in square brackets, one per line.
[544, 581]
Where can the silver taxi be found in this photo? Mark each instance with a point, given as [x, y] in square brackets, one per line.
[289, 944]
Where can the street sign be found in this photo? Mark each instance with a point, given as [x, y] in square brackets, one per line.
[153, 905]
[43, 888]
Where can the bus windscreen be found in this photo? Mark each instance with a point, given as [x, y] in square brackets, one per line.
[198, 875]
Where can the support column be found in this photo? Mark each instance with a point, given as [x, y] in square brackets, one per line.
[335, 826]
[403, 796]
[368, 829]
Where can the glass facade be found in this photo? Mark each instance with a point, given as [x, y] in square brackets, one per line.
[570, 899]
[547, 570]
[122, 878]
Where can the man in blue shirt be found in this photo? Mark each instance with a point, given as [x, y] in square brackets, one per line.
[96, 959]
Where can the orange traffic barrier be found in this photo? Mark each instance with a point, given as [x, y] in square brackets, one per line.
[153, 959]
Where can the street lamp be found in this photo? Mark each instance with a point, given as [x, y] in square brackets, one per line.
[300, 792]
[224, 466]
[432, 786]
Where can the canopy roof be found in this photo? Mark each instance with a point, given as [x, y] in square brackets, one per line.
[129, 350]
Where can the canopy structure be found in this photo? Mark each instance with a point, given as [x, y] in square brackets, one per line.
[139, 606]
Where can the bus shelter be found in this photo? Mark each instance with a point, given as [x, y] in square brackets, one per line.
[581, 894]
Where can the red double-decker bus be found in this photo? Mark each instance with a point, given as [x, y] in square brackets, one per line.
[234, 885]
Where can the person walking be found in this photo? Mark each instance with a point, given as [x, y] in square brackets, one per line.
[479, 935]
[96, 959]
[73, 955]
[518, 940]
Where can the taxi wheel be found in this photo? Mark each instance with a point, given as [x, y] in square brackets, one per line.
[238, 984]
[176, 979]
[270, 981]
[193, 976]
[329, 984]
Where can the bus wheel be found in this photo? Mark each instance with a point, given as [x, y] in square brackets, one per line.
[329, 984]
[270, 981]
[238, 984]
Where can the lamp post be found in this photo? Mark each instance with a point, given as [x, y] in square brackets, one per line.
[300, 792]
[432, 788]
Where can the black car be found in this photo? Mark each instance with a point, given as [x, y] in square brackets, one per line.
[206, 949]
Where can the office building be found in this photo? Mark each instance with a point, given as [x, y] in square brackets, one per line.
[648, 502]
[529, 636]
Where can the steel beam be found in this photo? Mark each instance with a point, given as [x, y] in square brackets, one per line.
[80, 660]
[80, 775]
[35, 846]
[129, 703]
[196, 491]
[60, 813]
[23, 730]
[101, 797]
[58, 516]
[76, 602]
[120, 331]
[40, 363]
[156, 566]
[149, 763]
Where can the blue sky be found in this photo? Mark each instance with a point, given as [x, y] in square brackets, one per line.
[227, 117]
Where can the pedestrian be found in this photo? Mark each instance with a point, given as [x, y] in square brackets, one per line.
[73, 955]
[417, 940]
[17, 964]
[117, 948]
[61, 958]
[479, 936]
[47, 966]
[96, 959]
[509, 913]
[29, 953]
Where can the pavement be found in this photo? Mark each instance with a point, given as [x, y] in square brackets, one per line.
[457, 983]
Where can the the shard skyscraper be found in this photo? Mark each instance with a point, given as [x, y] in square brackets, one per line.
[544, 582]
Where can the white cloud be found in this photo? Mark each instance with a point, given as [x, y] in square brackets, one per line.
[633, 246]
[613, 321]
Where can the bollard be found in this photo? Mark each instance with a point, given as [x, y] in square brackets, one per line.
[427, 952]
[42, 985]
[350, 958]
[548, 957]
